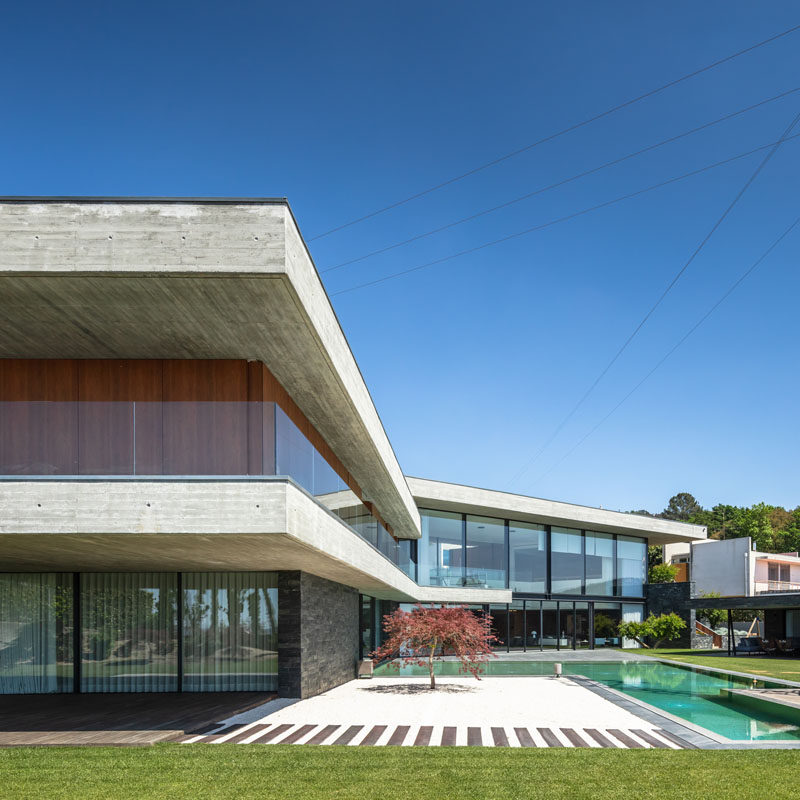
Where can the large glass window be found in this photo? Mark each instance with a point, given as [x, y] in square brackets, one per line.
[129, 632]
[631, 566]
[527, 546]
[486, 552]
[582, 629]
[549, 632]
[36, 644]
[599, 563]
[441, 552]
[607, 617]
[230, 631]
[566, 561]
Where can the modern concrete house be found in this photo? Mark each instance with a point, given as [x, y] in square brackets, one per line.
[197, 492]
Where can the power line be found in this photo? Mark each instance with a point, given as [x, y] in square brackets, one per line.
[562, 182]
[558, 134]
[691, 330]
[559, 220]
[666, 291]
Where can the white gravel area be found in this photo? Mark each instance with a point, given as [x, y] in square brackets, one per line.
[460, 701]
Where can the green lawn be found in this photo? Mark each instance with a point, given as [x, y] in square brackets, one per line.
[197, 772]
[787, 669]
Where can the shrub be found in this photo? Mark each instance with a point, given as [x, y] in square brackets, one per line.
[663, 573]
[663, 628]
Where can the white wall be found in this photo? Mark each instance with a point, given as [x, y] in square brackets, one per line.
[722, 566]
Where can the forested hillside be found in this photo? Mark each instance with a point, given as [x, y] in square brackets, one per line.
[774, 529]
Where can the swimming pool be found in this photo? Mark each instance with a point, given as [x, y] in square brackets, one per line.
[697, 696]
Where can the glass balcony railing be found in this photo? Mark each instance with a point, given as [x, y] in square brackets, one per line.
[182, 438]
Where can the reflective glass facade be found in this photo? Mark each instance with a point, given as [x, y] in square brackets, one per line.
[560, 624]
[528, 558]
[527, 555]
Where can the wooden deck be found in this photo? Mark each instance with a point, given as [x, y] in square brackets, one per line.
[116, 719]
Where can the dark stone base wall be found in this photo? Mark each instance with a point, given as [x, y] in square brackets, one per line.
[662, 598]
[318, 634]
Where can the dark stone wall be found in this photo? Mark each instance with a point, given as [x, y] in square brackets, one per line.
[318, 634]
[662, 598]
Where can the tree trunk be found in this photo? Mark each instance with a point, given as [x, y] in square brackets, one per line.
[430, 665]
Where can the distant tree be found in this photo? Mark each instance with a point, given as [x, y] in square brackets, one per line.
[425, 634]
[662, 573]
[663, 628]
[681, 507]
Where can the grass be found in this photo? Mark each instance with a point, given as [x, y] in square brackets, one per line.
[787, 669]
[240, 772]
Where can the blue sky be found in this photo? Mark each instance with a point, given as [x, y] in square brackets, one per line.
[473, 363]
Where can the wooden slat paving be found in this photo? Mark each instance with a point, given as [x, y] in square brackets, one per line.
[349, 735]
[550, 738]
[273, 733]
[651, 740]
[449, 736]
[319, 738]
[499, 737]
[399, 735]
[373, 736]
[574, 739]
[524, 737]
[603, 741]
[472, 735]
[298, 734]
[624, 738]
[424, 735]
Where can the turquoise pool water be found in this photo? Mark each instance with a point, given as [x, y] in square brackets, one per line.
[693, 695]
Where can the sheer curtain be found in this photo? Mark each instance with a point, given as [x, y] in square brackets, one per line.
[230, 629]
[35, 633]
[129, 628]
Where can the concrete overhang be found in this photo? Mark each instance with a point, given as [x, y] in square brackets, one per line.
[757, 602]
[488, 503]
[94, 525]
[194, 279]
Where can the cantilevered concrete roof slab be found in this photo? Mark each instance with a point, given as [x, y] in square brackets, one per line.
[179, 524]
[194, 279]
[488, 503]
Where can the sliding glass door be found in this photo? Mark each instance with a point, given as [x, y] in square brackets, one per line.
[129, 632]
[36, 622]
[230, 631]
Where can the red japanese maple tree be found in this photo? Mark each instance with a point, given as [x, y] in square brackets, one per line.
[425, 634]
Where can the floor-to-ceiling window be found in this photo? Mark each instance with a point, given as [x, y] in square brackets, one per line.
[566, 561]
[607, 617]
[527, 551]
[582, 627]
[129, 631]
[486, 553]
[36, 633]
[631, 566]
[441, 551]
[599, 563]
[130, 637]
[230, 631]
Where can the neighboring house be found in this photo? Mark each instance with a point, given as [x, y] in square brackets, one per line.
[197, 492]
[768, 582]
[733, 567]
